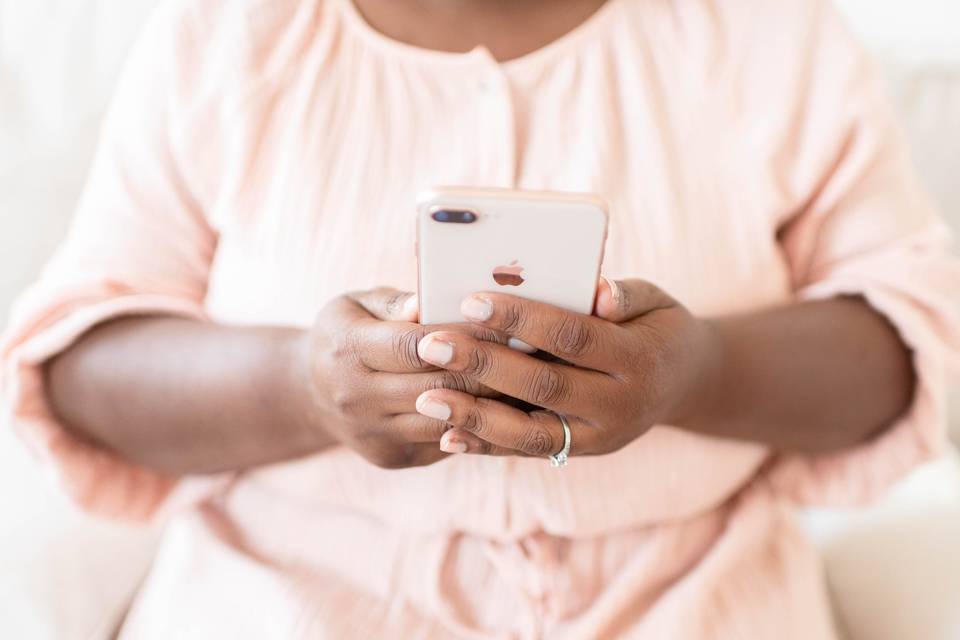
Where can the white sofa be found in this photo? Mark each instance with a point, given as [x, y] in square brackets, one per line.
[894, 570]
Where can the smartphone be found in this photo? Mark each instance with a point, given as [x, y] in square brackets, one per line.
[543, 246]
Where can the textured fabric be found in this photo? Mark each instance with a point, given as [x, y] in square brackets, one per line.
[263, 156]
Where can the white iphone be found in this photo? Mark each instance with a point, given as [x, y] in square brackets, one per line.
[539, 245]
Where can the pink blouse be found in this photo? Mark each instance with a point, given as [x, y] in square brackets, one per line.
[262, 156]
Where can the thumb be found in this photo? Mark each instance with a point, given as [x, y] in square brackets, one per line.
[386, 303]
[625, 300]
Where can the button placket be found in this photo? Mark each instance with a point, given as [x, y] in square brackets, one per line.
[495, 139]
[495, 102]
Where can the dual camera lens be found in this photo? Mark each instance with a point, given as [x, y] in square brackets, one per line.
[455, 216]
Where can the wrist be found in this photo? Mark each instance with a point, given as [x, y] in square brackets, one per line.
[300, 397]
[704, 377]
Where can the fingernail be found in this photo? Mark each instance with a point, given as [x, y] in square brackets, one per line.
[520, 345]
[433, 408]
[477, 308]
[614, 288]
[411, 307]
[436, 351]
[450, 445]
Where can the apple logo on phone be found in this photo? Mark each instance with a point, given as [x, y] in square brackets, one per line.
[508, 275]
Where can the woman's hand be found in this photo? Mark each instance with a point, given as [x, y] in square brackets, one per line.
[642, 360]
[365, 375]
[814, 376]
[186, 396]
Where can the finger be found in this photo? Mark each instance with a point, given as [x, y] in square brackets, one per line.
[581, 339]
[493, 422]
[405, 455]
[537, 434]
[398, 392]
[387, 303]
[544, 384]
[415, 428]
[622, 301]
[426, 454]
[392, 346]
[375, 304]
[457, 440]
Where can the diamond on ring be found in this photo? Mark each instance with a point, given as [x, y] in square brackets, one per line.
[559, 459]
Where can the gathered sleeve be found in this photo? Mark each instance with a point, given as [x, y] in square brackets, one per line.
[866, 228]
[139, 244]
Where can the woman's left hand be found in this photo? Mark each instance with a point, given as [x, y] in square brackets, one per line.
[642, 360]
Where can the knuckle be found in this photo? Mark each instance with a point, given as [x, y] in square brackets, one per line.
[546, 386]
[486, 334]
[512, 319]
[391, 458]
[538, 441]
[346, 400]
[404, 345]
[450, 380]
[475, 421]
[480, 363]
[345, 345]
[571, 337]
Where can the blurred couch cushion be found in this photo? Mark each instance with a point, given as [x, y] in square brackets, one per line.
[58, 63]
[65, 575]
[927, 98]
[894, 568]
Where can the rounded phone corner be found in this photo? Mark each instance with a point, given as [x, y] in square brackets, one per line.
[600, 204]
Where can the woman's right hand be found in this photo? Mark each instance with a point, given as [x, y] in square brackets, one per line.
[365, 376]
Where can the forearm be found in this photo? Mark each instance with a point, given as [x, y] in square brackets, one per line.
[811, 377]
[185, 396]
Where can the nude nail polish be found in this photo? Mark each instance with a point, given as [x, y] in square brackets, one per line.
[477, 308]
[435, 351]
[614, 288]
[411, 307]
[519, 345]
[433, 408]
[452, 446]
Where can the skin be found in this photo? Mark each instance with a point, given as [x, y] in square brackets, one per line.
[809, 377]
[508, 28]
[185, 396]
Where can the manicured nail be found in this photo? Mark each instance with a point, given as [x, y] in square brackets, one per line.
[411, 307]
[435, 351]
[477, 308]
[614, 288]
[520, 345]
[433, 408]
[452, 446]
